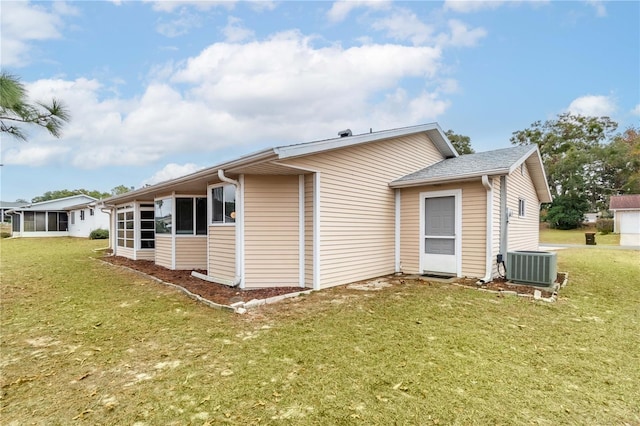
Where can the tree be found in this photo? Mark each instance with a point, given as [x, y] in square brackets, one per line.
[572, 147]
[461, 143]
[15, 110]
[121, 189]
[621, 171]
[567, 211]
[54, 195]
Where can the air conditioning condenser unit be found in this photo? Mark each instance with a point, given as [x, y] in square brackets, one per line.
[532, 267]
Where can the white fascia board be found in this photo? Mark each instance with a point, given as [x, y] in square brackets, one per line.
[542, 188]
[448, 179]
[343, 142]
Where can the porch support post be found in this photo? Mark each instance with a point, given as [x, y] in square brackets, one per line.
[316, 231]
[398, 264]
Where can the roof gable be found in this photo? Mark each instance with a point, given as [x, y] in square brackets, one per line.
[619, 202]
[58, 203]
[267, 158]
[433, 131]
[491, 163]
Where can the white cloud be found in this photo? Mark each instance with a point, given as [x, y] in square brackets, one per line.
[179, 26]
[462, 36]
[341, 8]
[403, 24]
[24, 23]
[234, 31]
[169, 6]
[172, 171]
[34, 155]
[469, 6]
[275, 91]
[593, 106]
[636, 110]
[599, 7]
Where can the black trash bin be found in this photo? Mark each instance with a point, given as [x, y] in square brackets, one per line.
[591, 238]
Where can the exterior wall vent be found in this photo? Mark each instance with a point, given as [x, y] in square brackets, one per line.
[532, 267]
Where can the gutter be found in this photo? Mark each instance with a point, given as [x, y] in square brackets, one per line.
[488, 277]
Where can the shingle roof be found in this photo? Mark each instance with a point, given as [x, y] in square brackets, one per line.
[497, 161]
[619, 202]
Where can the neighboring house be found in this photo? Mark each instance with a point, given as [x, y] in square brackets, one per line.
[590, 218]
[84, 218]
[47, 218]
[5, 206]
[626, 218]
[331, 212]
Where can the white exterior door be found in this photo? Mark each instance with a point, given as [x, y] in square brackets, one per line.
[440, 225]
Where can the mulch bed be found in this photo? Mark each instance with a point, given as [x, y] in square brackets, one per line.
[217, 293]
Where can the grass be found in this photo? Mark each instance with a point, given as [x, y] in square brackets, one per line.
[576, 236]
[83, 342]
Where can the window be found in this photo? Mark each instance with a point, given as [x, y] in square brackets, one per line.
[45, 221]
[164, 215]
[91, 212]
[73, 218]
[189, 217]
[125, 228]
[81, 214]
[57, 221]
[184, 215]
[521, 207]
[147, 225]
[223, 207]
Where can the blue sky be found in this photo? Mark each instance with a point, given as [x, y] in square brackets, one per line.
[157, 89]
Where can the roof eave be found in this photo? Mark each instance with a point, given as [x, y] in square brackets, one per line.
[257, 157]
[433, 131]
[447, 179]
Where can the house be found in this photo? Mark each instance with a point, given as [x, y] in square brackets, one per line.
[330, 212]
[5, 206]
[74, 216]
[626, 218]
[86, 217]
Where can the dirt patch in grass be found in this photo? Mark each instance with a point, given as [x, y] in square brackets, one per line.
[501, 284]
[217, 293]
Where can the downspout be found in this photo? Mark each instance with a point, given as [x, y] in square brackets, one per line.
[488, 277]
[108, 211]
[239, 221]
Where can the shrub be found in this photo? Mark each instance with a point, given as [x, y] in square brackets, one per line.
[604, 226]
[99, 234]
[5, 234]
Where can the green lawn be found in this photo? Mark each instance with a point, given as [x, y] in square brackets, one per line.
[576, 236]
[87, 343]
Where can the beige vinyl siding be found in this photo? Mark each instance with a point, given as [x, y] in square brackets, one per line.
[308, 231]
[145, 255]
[164, 251]
[129, 253]
[523, 231]
[191, 252]
[357, 206]
[271, 231]
[473, 227]
[222, 251]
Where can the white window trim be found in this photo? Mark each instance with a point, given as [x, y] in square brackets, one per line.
[210, 221]
[522, 212]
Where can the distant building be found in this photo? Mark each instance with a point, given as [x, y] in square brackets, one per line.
[74, 216]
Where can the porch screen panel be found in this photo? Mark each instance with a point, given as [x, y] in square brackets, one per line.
[41, 221]
[29, 221]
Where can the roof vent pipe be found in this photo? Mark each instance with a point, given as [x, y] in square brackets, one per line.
[345, 133]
